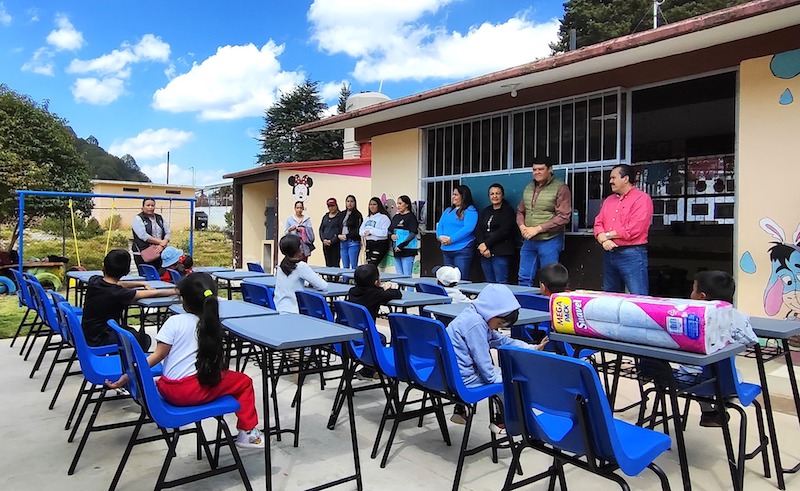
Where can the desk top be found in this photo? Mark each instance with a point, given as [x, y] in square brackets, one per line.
[231, 309]
[158, 301]
[666, 354]
[384, 276]
[237, 275]
[211, 269]
[476, 288]
[160, 285]
[333, 290]
[451, 311]
[83, 276]
[766, 327]
[262, 280]
[331, 271]
[421, 279]
[288, 331]
[417, 299]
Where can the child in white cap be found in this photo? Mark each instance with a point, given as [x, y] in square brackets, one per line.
[474, 332]
[448, 277]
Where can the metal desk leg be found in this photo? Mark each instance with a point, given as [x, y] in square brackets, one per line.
[726, 430]
[787, 354]
[265, 383]
[773, 436]
[678, 425]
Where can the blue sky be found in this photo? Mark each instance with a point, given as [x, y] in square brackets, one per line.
[195, 77]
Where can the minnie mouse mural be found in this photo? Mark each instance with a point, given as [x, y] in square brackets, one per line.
[301, 186]
[783, 287]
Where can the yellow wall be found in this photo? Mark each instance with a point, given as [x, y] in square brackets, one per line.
[255, 198]
[767, 179]
[176, 212]
[323, 186]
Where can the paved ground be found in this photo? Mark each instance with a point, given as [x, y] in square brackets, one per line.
[37, 455]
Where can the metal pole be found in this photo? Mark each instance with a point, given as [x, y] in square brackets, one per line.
[20, 225]
[655, 18]
[191, 228]
[167, 166]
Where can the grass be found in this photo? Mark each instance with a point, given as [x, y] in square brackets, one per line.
[10, 315]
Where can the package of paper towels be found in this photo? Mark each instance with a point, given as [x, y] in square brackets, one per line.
[688, 325]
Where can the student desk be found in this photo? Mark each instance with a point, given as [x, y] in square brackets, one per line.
[672, 356]
[331, 273]
[477, 288]
[384, 276]
[211, 269]
[412, 282]
[276, 333]
[451, 311]
[161, 304]
[160, 285]
[262, 280]
[780, 330]
[416, 299]
[231, 276]
[334, 289]
[82, 277]
[231, 309]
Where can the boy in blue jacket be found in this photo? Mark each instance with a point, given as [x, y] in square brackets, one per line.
[474, 332]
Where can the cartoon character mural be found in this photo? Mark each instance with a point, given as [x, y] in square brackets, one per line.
[301, 186]
[783, 287]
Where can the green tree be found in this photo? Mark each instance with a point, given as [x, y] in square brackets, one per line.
[279, 140]
[103, 165]
[344, 93]
[37, 152]
[596, 21]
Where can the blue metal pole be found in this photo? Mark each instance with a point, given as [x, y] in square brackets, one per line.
[20, 225]
[191, 228]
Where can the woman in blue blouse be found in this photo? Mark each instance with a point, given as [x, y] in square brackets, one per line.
[456, 231]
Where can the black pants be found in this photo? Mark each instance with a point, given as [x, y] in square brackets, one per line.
[376, 250]
[332, 255]
[110, 337]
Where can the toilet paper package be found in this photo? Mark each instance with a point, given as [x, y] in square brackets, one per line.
[688, 325]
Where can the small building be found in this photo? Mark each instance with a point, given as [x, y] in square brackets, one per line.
[175, 212]
[705, 110]
[216, 201]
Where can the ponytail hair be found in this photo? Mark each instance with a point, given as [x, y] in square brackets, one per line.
[289, 246]
[199, 294]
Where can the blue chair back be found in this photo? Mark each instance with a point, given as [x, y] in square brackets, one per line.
[255, 267]
[133, 362]
[149, 272]
[174, 276]
[568, 409]
[431, 288]
[314, 305]
[46, 308]
[23, 290]
[61, 318]
[534, 302]
[424, 355]
[258, 294]
[371, 352]
[96, 369]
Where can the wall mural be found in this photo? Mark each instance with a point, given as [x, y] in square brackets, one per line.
[301, 187]
[786, 66]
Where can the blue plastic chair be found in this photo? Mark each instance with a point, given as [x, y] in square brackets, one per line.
[174, 276]
[426, 360]
[258, 294]
[35, 330]
[431, 288]
[566, 415]
[96, 370]
[56, 338]
[255, 267]
[25, 300]
[62, 322]
[149, 272]
[168, 417]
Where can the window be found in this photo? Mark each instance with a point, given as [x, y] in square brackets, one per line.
[172, 191]
[130, 190]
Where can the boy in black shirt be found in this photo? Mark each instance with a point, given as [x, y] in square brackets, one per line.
[369, 293]
[107, 296]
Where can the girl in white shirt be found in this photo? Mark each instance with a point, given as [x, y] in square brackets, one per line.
[293, 274]
[195, 368]
[375, 232]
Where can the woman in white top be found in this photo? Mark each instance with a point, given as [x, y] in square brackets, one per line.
[375, 232]
[293, 274]
[300, 225]
[195, 369]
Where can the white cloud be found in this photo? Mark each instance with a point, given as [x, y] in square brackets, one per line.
[66, 37]
[41, 62]
[33, 13]
[97, 91]
[5, 17]
[390, 43]
[330, 91]
[233, 83]
[150, 144]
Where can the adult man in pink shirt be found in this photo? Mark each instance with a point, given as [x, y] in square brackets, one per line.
[621, 228]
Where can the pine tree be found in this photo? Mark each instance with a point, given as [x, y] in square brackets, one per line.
[280, 142]
[344, 93]
[600, 20]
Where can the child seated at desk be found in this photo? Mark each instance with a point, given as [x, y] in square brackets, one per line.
[448, 278]
[171, 258]
[553, 278]
[474, 332]
[107, 296]
[369, 293]
[293, 274]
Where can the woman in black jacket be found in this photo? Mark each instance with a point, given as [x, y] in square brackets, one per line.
[329, 231]
[496, 235]
[349, 237]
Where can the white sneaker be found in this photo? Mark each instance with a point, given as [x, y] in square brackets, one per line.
[250, 439]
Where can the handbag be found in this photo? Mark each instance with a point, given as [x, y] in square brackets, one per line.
[151, 253]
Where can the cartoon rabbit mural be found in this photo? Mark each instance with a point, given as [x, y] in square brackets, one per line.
[783, 287]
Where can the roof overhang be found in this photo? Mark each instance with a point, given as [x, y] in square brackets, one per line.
[720, 27]
[265, 169]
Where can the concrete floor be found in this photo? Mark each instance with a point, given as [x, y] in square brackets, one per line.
[37, 455]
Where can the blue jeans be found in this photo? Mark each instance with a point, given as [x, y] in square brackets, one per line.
[626, 267]
[350, 250]
[461, 259]
[404, 265]
[495, 269]
[536, 254]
